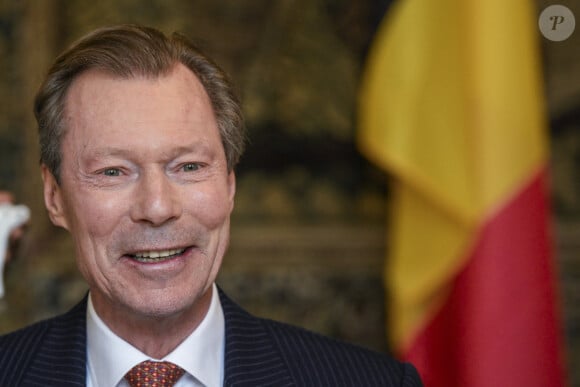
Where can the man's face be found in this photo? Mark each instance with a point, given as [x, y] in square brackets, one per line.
[144, 191]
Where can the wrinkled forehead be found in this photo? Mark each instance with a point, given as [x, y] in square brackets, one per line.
[101, 93]
[103, 108]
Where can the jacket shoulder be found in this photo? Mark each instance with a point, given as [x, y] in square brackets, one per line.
[269, 353]
[46, 353]
[18, 348]
[315, 359]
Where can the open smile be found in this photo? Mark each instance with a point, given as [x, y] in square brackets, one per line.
[156, 256]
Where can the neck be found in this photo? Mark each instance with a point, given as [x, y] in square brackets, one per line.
[155, 336]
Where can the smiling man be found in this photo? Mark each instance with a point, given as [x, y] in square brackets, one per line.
[140, 134]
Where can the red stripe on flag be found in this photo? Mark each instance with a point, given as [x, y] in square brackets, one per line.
[499, 326]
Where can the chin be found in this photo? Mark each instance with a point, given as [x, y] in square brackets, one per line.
[170, 304]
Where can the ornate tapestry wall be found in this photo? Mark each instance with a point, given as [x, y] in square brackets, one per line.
[308, 229]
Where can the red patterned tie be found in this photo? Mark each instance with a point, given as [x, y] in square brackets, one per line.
[154, 374]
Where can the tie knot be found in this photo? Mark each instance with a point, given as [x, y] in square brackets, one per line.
[154, 374]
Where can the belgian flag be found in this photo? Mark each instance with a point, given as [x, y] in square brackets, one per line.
[452, 107]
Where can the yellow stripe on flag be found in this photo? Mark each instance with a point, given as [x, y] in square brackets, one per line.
[451, 105]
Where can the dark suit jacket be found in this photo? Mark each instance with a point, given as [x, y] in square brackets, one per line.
[258, 352]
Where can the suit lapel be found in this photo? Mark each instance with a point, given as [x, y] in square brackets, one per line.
[251, 356]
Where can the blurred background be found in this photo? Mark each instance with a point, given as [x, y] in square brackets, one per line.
[308, 231]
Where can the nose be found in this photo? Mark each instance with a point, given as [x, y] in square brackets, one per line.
[156, 199]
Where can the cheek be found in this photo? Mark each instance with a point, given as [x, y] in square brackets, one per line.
[95, 215]
[212, 207]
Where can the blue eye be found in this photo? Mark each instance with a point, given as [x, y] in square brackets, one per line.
[190, 167]
[111, 172]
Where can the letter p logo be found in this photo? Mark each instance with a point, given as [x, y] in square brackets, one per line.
[557, 23]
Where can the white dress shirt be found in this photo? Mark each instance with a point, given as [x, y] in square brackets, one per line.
[201, 354]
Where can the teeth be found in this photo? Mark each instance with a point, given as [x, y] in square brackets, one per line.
[153, 256]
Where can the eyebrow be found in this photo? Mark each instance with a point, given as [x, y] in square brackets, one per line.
[196, 147]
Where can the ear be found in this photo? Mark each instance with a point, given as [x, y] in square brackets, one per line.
[53, 199]
[231, 188]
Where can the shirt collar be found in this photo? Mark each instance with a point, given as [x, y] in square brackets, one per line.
[201, 354]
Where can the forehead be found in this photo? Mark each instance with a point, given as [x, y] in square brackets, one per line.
[98, 86]
[100, 104]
